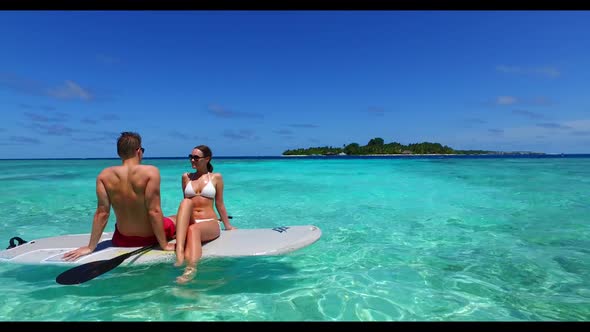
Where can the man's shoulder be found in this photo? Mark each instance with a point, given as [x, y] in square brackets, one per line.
[108, 170]
[151, 169]
[146, 166]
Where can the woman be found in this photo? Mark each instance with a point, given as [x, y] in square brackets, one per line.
[202, 188]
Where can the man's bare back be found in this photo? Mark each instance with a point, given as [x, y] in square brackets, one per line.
[133, 191]
[127, 189]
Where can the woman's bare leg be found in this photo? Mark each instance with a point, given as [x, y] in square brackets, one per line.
[193, 246]
[183, 220]
[197, 233]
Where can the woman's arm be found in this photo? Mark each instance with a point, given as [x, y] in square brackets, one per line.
[220, 205]
[183, 181]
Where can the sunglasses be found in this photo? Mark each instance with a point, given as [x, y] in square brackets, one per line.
[194, 157]
[142, 150]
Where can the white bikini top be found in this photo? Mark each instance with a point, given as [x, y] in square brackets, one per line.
[208, 191]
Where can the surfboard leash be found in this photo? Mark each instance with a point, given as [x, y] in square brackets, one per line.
[18, 239]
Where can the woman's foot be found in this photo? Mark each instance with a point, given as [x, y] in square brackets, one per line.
[179, 259]
[188, 275]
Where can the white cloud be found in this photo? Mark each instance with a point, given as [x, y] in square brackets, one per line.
[508, 69]
[378, 111]
[107, 59]
[541, 101]
[70, 90]
[557, 131]
[547, 71]
[506, 100]
[561, 134]
[219, 110]
[579, 125]
[223, 112]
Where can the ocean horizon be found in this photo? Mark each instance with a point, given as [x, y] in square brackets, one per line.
[400, 156]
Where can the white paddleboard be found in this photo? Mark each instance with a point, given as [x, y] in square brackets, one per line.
[234, 243]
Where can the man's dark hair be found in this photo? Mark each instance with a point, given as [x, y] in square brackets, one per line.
[127, 144]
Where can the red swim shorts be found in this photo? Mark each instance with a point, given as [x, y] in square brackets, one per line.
[120, 240]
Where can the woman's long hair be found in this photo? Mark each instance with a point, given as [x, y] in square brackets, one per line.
[206, 153]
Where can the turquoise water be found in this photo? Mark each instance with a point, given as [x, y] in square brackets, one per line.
[444, 239]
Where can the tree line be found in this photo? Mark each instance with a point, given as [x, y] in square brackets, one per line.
[377, 146]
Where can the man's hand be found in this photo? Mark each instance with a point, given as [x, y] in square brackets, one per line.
[230, 227]
[74, 254]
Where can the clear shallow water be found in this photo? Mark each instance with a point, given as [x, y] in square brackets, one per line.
[437, 239]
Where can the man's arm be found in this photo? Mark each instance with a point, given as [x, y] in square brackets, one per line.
[101, 217]
[154, 209]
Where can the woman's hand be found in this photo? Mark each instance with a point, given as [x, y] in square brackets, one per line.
[169, 247]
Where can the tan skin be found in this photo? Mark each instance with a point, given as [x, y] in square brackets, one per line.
[133, 190]
[202, 208]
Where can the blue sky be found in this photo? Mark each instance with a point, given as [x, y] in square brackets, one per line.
[255, 83]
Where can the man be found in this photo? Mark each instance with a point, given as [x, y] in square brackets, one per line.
[134, 192]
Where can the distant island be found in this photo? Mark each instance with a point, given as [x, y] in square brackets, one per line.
[377, 146]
